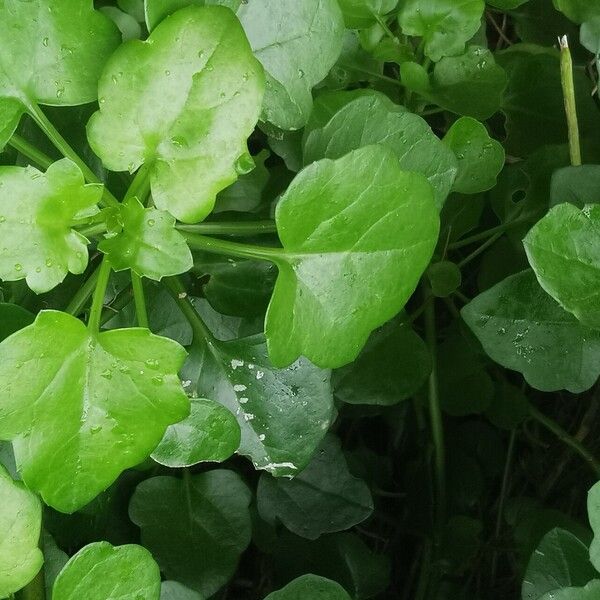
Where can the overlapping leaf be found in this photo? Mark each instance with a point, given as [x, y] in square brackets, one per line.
[310, 586]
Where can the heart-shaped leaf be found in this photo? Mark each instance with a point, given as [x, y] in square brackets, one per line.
[183, 109]
[310, 586]
[37, 210]
[117, 390]
[357, 232]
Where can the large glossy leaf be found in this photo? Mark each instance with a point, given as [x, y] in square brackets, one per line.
[98, 404]
[524, 329]
[100, 571]
[375, 119]
[310, 586]
[360, 14]
[52, 53]
[20, 525]
[560, 561]
[593, 509]
[578, 10]
[36, 213]
[444, 25]
[196, 528]
[183, 110]
[325, 490]
[297, 42]
[564, 251]
[148, 244]
[283, 413]
[576, 185]
[157, 10]
[357, 233]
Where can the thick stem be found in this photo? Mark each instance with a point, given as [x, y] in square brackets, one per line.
[566, 76]
[98, 298]
[140, 300]
[231, 228]
[225, 247]
[83, 294]
[140, 186]
[30, 151]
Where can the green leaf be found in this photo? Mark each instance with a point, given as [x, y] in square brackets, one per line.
[357, 234]
[560, 560]
[171, 590]
[157, 10]
[590, 35]
[509, 407]
[444, 277]
[297, 42]
[283, 414]
[47, 59]
[576, 185]
[36, 213]
[185, 110]
[196, 528]
[100, 571]
[149, 244]
[578, 10]
[589, 592]
[130, 29]
[325, 490]
[593, 509]
[13, 318]
[564, 252]
[117, 390]
[374, 119]
[54, 561]
[360, 14]
[480, 158]
[524, 329]
[506, 4]
[391, 367]
[20, 525]
[310, 586]
[210, 433]
[444, 25]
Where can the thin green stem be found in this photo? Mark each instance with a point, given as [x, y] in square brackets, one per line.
[566, 76]
[140, 300]
[480, 249]
[485, 234]
[374, 74]
[225, 247]
[566, 438]
[231, 228]
[92, 230]
[30, 151]
[98, 297]
[382, 23]
[65, 149]
[140, 186]
[84, 293]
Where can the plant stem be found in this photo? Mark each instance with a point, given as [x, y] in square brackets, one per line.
[480, 249]
[567, 438]
[140, 300]
[91, 230]
[380, 76]
[79, 300]
[382, 23]
[231, 228]
[485, 234]
[140, 186]
[30, 151]
[566, 76]
[123, 298]
[217, 246]
[98, 298]
[64, 148]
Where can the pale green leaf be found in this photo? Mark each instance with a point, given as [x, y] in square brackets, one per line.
[359, 14]
[593, 509]
[184, 110]
[157, 10]
[100, 571]
[310, 586]
[98, 404]
[37, 211]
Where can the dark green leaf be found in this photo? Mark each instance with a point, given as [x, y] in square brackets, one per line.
[310, 586]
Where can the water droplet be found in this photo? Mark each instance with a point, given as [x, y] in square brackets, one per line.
[2, 218]
[157, 380]
[107, 374]
[178, 141]
[244, 164]
[95, 429]
[167, 72]
[300, 73]
[38, 269]
[18, 267]
[48, 262]
[153, 363]
[245, 76]
[124, 369]
[151, 222]
[60, 92]
[45, 42]
[200, 53]
[114, 79]
[222, 95]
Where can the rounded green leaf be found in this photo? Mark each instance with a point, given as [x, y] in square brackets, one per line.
[184, 110]
[196, 528]
[297, 42]
[20, 525]
[310, 586]
[578, 10]
[375, 119]
[357, 233]
[172, 590]
[325, 490]
[564, 250]
[157, 10]
[444, 25]
[210, 433]
[593, 509]
[576, 185]
[360, 14]
[148, 244]
[100, 571]
[524, 329]
[444, 277]
[506, 4]
[98, 404]
[591, 591]
[52, 53]
[36, 213]
[480, 158]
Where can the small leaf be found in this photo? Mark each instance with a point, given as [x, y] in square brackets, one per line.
[196, 528]
[444, 277]
[200, 100]
[564, 251]
[149, 243]
[36, 213]
[100, 571]
[310, 586]
[444, 25]
[480, 158]
[117, 390]
[47, 58]
[358, 233]
[524, 329]
[360, 14]
[210, 433]
[325, 490]
[297, 42]
[20, 525]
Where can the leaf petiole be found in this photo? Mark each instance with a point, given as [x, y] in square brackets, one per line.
[246, 228]
[566, 76]
[30, 151]
[98, 297]
[140, 300]
[79, 300]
